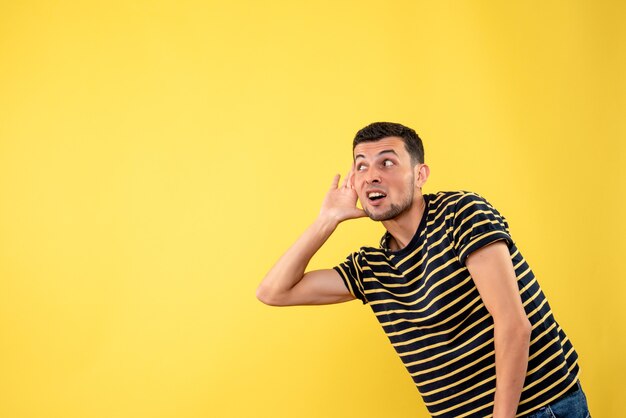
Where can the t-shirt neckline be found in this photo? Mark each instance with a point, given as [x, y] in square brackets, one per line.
[415, 240]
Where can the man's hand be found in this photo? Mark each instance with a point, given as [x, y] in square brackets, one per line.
[340, 202]
[286, 283]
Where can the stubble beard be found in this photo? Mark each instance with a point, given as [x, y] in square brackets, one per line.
[396, 209]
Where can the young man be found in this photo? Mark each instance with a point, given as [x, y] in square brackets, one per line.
[448, 285]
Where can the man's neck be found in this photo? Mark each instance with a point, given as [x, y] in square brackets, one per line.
[403, 228]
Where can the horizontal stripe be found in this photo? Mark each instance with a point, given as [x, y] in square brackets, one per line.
[464, 391]
[422, 298]
[460, 369]
[447, 342]
[418, 320]
[461, 346]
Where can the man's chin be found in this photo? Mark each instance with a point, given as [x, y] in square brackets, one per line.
[379, 217]
[393, 212]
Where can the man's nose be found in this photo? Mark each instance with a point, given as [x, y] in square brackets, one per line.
[373, 176]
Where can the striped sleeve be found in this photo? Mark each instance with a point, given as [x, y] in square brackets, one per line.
[476, 224]
[351, 274]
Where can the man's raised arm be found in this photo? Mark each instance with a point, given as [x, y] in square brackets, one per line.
[286, 284]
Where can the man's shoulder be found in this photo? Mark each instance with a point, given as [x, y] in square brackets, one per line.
[372, 253]
[448, 194]
[448, 200]
[366, 255]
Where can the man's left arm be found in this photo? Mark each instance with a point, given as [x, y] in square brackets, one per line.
[493, 273]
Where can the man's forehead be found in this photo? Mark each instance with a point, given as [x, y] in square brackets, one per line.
[373, 148]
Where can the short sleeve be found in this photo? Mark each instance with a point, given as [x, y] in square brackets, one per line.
[477, 224]
[351, 274]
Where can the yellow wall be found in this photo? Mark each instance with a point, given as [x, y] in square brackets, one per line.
[157, 157]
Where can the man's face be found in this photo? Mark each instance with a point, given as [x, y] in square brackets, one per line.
[384, 178]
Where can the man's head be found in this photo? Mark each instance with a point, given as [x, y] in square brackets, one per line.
[380, 130]
[388, 168]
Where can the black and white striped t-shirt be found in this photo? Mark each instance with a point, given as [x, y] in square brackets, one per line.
[429, 307]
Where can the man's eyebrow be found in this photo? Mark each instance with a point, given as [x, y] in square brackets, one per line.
[385, 151]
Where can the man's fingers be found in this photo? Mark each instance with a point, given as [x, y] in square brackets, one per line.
[345, 181]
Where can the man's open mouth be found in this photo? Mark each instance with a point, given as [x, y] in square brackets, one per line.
[374, 196]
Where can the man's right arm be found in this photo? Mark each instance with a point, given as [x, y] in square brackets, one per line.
[286, 283]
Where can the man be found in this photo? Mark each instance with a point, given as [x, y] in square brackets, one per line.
[450, 288]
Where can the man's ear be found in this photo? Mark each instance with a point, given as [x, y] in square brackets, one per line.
[422, 171]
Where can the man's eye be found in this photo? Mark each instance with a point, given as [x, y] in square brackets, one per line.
[360, 168]
[387, 163]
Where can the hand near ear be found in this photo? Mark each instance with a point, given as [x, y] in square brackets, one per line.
[340, 201]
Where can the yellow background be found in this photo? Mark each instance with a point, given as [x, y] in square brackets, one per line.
[157, 157]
